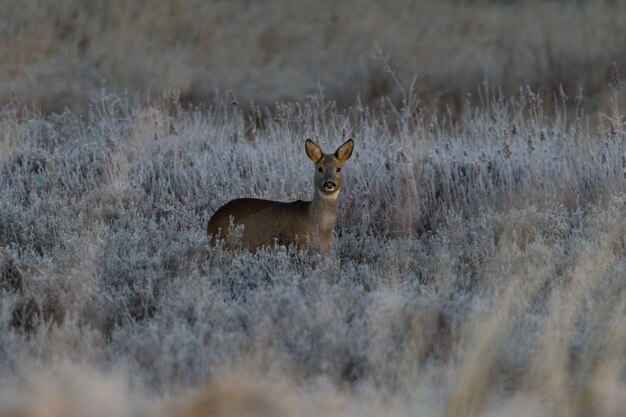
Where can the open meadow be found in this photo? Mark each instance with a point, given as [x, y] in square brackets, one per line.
[478, 266]
[57, 54]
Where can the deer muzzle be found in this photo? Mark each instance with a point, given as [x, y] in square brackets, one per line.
[329, 186]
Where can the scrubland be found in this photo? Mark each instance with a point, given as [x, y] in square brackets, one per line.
[478, 266]
[479, 262]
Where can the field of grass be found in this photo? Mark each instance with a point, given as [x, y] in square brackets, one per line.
[478, 267]
[59, 53]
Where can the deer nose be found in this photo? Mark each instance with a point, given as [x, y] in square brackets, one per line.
[329, 185]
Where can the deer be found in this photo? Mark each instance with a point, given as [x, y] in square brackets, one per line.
[307, 225]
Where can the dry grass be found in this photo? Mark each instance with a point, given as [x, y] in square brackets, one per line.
[58, 54]
[479, 261]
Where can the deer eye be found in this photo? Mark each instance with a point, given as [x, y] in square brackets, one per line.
[320, 169]
[339, 169]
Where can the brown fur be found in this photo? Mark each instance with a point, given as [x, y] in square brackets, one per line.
[301, 223]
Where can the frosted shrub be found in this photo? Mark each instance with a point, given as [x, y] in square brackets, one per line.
[466, 275]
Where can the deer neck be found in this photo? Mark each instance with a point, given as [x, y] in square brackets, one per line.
[323, 211]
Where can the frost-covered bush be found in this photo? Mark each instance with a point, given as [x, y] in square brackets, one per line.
[477, 267]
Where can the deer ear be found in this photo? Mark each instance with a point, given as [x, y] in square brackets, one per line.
[344, 151]
[313, 151]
